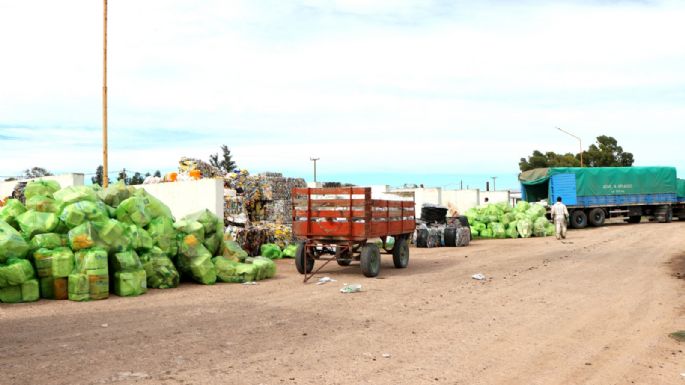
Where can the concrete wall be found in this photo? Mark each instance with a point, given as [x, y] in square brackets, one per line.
[462, 200]
[64, 180]
[494, 196]
[187, 197]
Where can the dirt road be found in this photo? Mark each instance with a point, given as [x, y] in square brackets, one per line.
[594, 310]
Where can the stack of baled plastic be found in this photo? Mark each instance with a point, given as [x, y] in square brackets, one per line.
[17, 275]
[499, 220]
[197, 234]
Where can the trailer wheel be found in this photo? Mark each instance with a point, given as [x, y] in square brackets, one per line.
[597, 217]
[400, 253]
[450, 235]
[669, 215]
[300, 257]
[663, 214]
[370, 260]
[578, 219]
[634, 219]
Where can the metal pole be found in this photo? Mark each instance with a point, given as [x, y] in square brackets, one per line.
[494, 186]
[580, 144]
[314, 160]
[105, 178]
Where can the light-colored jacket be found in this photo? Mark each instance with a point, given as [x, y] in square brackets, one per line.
[559, 211]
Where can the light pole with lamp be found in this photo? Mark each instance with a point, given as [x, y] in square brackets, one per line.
[314, 160]
[580, 144]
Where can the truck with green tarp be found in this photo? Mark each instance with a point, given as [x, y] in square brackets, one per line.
[593, 194]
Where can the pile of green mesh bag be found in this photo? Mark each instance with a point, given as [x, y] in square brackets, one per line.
[83, 242]
[499, 220]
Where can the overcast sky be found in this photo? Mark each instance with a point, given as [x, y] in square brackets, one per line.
[387, 91]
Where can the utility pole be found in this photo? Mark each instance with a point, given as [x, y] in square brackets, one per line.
[314, 160]
[105, 178]
[580, 144]
[494, 186]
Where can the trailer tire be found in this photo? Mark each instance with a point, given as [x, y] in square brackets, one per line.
[597, 217]
[300, 257]
[578, 219]
[663, 214]
[450, 236]
[400, 253]
[634, 219]
[370, 260]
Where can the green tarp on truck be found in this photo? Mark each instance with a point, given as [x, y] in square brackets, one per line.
[601, 181]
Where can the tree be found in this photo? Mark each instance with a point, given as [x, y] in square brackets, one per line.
[226, 164]
[97, 179]
[122, 176]
[158, 174]
[136, 179]
[606, 153]
[36, 172]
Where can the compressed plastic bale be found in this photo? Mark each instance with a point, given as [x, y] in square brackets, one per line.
[10, 294]
[74, 194]
[82, 236]
[113, 235]
[191, 227]
[130, 283]
[226, 270]
[498, 230]
[290, 251]
[134, 211]
[213, 242]
[191, 246]
[207, 218]
[17, 271]
[486, 233]
[90, 259]
[163, 235]
[521, 207]
[270, 250]
[98, 284]
[155, 207]
[12, 244]
[76, 213]
[161, 273]
[524, 228]
[233, 251]
[539, 226]
[10, 211]
[550, 230]
[203, 270]
[267, 266]
[247, 271]
[62, 262]
[42, 203]
[48, 241]
[475, 234]
[115, 193]
[41, 187]
[126, 261]
[512, 232]
[54, 288]
[140, 239]
[78, 287]
[30, 291]
[34, 222]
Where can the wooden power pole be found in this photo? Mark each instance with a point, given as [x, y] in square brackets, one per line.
[105, 178]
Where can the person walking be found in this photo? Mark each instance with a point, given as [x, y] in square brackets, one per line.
[560, 216]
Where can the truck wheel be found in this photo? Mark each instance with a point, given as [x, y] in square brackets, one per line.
[400, 253]
[663, 214]
[597, 217]
[370, 260]
[634, 219]
[300, 259]
[578, 219]
[669, 215]
[450, 235]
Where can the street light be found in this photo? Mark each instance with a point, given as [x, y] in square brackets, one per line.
[314, 160]
[580, 144]
[494, 186]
